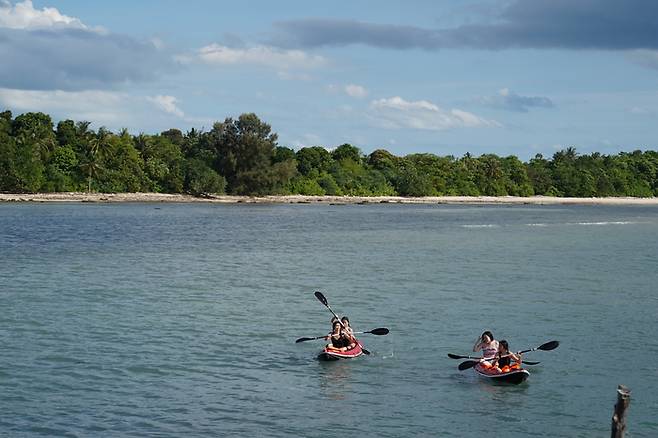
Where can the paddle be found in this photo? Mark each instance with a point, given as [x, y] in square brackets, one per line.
[551, 345]
[548, 346]
[324, 301]
[456, 356]
[378, 331]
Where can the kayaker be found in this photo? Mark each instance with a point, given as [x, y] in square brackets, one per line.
[503, 361]
[489, 347]
[339, 338]
[348, 333]
[335, 338]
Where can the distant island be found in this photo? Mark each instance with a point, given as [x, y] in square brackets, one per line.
[239, 160]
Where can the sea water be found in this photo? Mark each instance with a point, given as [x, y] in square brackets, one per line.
[180, 320]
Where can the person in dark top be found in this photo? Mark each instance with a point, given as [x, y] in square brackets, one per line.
[503, 360]
[339, 339]
[348, 333]
[335, 338]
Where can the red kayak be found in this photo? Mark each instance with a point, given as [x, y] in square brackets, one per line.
[331, 354]
[514, 375]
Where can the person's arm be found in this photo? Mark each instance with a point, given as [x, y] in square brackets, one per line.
[478, 345]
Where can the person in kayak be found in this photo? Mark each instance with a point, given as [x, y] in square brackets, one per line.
[503, 361]
[489, 347]
[335, 338]
[339, 339]
[348, 333]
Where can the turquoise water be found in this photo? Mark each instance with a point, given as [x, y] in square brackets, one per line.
[177, 320]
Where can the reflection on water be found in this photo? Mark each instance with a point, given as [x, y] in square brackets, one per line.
[502, 392]
[335, 378]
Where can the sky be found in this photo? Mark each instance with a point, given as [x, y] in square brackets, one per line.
[509, 77]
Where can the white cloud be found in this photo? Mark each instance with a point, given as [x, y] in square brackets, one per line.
[43, 49]
[97, 106]
[167, 104]
[216, 54]
[24, 16]
[646, 58]
[639, 110]
[158, 43]
[115, 110]
[287, 75]
[397, 113]
[509, 100]
[351, 90]
[307, 140]
[358, 91]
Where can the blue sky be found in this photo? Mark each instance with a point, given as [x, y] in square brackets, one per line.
[514, 77]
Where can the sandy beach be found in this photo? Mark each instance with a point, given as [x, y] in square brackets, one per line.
[299, 199]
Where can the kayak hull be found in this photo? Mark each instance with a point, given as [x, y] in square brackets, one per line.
[513, 377]
[330, 354]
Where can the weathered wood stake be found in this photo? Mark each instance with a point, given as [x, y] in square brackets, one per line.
[619, 417]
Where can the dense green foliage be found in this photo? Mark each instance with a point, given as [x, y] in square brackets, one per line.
[242, 157]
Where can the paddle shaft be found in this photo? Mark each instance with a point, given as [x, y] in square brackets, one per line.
[456, 356]
[378, 331]
[551, 345]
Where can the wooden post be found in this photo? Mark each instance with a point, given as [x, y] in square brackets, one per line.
[619, 417]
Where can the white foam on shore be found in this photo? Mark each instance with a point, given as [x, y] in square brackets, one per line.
[481, 226]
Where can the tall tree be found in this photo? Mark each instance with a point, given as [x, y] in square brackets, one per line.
[35, 140]
[245, 154]
[97, 148]
[313, 159]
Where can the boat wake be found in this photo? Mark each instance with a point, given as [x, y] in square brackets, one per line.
[600, 223]
[605, 223]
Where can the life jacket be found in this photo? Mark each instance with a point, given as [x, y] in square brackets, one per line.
[508, 368]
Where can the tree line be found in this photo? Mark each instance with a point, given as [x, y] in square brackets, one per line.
[241, 156]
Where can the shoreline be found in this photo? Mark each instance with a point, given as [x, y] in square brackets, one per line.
[302, 199]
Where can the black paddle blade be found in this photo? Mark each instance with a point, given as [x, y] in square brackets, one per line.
[366, 352]
[379, 331]
[552, 345]
[527, 362]
[303, 340]
[321, 297]
[467, 364]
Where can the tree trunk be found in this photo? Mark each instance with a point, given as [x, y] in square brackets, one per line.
[619, 417]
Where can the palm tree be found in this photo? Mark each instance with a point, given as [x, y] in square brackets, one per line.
[98, 147]
[91, 167]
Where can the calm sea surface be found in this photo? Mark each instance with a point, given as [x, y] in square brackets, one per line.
[180, 320]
